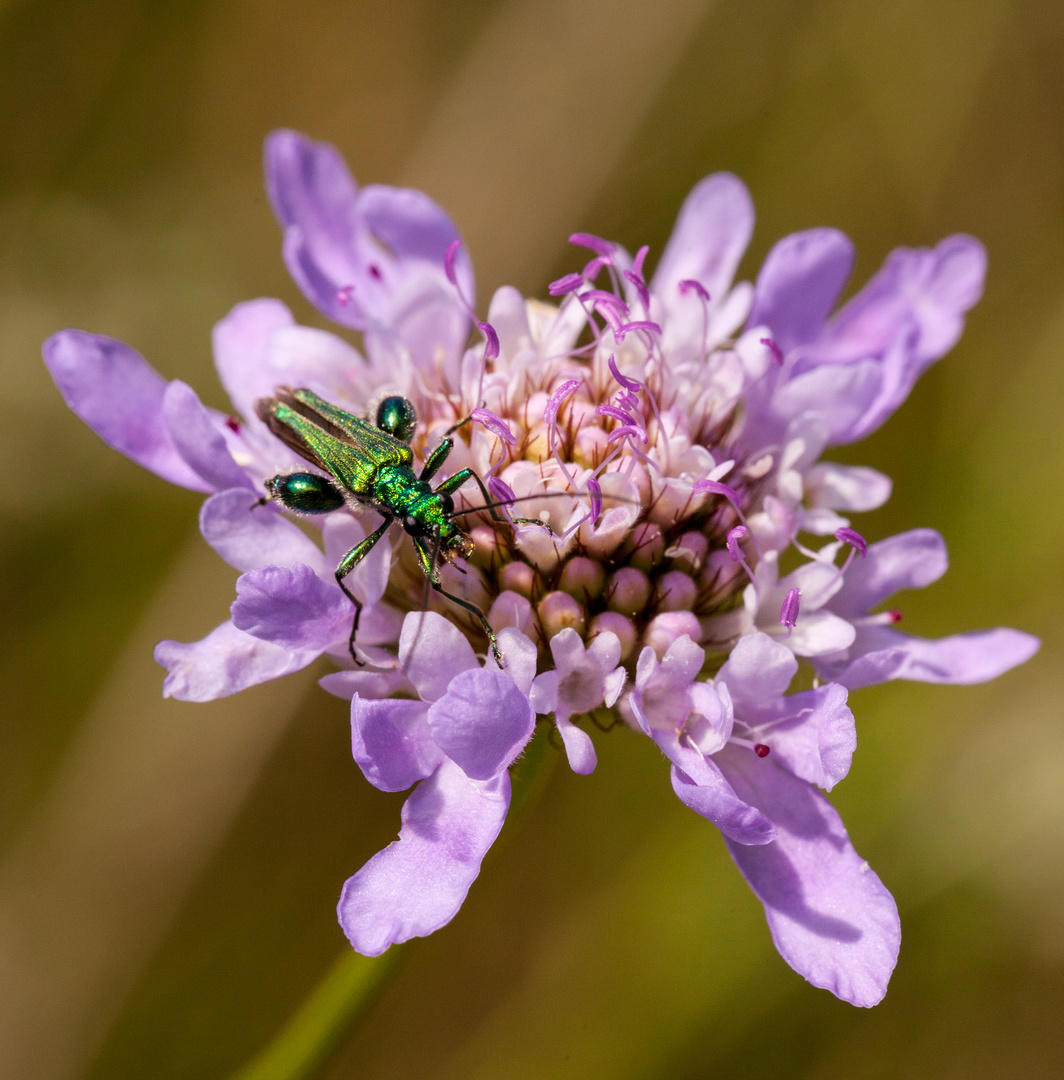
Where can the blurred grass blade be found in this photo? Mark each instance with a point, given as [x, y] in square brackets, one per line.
[309, 1039]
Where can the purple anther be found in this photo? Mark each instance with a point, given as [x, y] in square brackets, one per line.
[609, 304]
[627, 430]
[777, 352]
[554, 402]
[564, 285]
[789, 608]
[616, 414]
[501, 490]
[640, 258]
[854, 539]
[640, 287]
[595, 491]
[491, 346]
[495, 424]
[343, 296]
[715, 487]
[592, 243]
[634, 385]
[635, 327]
[448, 261]
[732, 543]
[592, 268]
[690, 285]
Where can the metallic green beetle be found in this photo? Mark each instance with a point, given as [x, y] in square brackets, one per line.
[371, 466]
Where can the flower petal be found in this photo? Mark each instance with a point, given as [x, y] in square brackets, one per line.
[114, 390]
[579, 748]
[418, 882]
[799, 283]
[758, 671]
[812, 733]
[821, 633]
[224, 662]
[909, 560]
[715, 799]
[961, 659]
[198, 441]
[846, 487]
[247, 535]
[482, 723]
[391, 742]
[293, 608]
[432, 651]
[241, 347]
[708, 240]
[831, 917]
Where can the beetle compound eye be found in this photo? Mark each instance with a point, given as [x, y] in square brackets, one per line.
[306, 493]
[398, 417]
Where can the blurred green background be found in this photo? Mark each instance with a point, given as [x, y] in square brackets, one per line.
[168, 872]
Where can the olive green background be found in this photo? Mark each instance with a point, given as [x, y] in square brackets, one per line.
[168, 872]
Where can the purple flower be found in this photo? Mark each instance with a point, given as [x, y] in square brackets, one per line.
[671, 433]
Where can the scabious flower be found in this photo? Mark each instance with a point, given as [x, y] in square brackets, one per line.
[671, 432]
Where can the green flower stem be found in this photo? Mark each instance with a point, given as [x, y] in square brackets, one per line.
[316, 1031]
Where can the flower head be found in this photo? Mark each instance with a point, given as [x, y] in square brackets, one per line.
[653, 450]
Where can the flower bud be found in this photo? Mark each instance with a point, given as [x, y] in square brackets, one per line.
[690, 550]
[557, 611]
[666, 628]
[583, 577]
[518, 577]
[677, 591]
[616, 623]
[629, 591]
[645, 547]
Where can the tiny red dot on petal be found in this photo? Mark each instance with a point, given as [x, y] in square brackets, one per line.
[233, 424]
[761, 749]
[895, 615]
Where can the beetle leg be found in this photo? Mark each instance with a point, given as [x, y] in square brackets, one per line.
[436, 459]
[453, 483]
[347, 564]
[427, 556]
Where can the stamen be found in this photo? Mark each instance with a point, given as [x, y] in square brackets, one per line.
[732, 543]
[233, 424]
[491, 344]
[554, 403]
[777, 352]
[564, 285]
[854, 539]
[596, 500]
[789, 609]
[690, 285]
[496, 425]
[448, 261]
[640, 258]
[634, 385]
[644, 326]
[761, 749]
[501, 490]
[592, 243]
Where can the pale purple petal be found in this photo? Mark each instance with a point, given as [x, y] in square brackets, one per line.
[847, 487]
[711, 233]
[369, 579]
[367, 682]
[831, 917]
[714, 798]
[198, 441]
[391, 742]
[293, 608]
[432, 651]
[799, 283]
[247, 535]
[520, 654]
[482, 723]
[579, 748]
[820, 633]
[961, 659]
[812, 733]
[758, 670]
[417, 884]
[241, 350]
[909, 560]
[840, 394]
[114, 390]
[224, 662]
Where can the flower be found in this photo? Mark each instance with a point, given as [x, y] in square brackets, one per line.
[671, 433]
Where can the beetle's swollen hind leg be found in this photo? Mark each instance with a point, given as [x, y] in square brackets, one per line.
[347, 564]
[427, 556]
